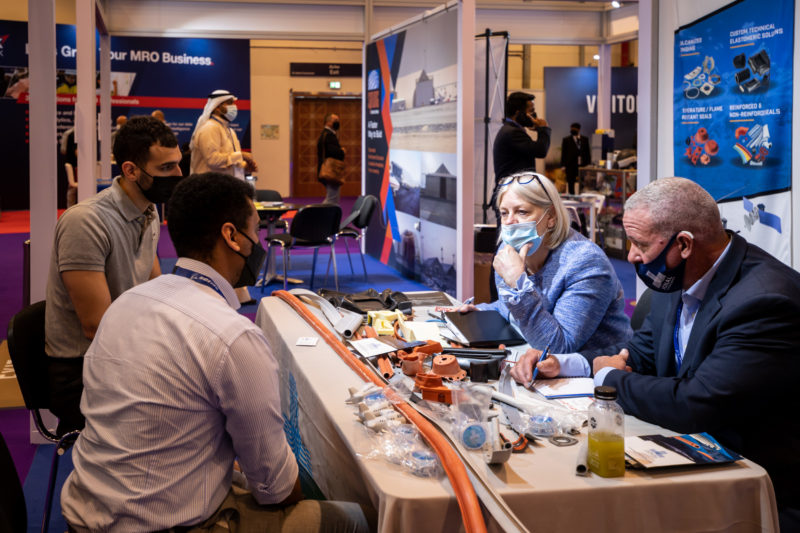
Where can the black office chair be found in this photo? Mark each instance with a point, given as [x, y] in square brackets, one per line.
[312, 226]
[363, 208]
[641, 310]
[26, 348]
[13, 513]
[268, 195]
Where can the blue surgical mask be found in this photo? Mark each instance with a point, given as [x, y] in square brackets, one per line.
[657, 276]
[518, 235]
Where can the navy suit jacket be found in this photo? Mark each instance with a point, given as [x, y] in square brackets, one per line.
[741, 366]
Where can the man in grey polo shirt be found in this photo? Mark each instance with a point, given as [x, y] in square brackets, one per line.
[104, 246]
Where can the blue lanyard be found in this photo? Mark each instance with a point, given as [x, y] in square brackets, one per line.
[514, 122]
[675, 341]
[197, 278]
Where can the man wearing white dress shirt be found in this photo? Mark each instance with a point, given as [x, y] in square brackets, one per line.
[177, 385]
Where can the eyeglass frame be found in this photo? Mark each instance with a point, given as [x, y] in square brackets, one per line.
[516, 177]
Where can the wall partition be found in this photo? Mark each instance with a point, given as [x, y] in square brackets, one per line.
[413, 155]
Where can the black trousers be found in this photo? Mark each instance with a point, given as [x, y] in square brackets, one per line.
[65, 376]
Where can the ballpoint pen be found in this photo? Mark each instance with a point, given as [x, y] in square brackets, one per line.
[469, 300]
[536, 366]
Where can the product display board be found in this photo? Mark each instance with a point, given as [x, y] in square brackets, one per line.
[147, 73]
[733, 115]
[411, 149]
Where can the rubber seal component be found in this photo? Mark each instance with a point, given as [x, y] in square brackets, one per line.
[562, 440]
[691, 93]
[468, 501]
[715, 79]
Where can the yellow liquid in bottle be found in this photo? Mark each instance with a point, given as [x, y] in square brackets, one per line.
[606, 454]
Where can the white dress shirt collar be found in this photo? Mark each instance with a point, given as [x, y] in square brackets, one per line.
[207, 270]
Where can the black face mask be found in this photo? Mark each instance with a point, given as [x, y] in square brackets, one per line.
[524, 120]
[252, 264]
[161, 188]
[336, 126]
[574, 132]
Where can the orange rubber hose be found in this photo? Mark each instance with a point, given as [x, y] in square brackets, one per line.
[451, 462]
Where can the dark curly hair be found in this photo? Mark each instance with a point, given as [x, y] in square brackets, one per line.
[134, 139]
[200, 205]
[517, 102]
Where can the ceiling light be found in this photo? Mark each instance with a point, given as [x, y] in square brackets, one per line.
[596, 57]
[615, 4]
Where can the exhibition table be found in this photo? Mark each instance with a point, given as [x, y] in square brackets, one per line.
[539, 485]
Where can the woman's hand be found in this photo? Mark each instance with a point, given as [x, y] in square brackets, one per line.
[466, 308]
[510, 264]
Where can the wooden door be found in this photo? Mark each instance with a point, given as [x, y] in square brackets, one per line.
[308, 116]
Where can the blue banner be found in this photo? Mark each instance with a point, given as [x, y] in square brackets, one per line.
[733, 99]
[174, 75]
[571, 96]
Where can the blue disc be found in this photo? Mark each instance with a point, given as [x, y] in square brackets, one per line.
[474, 436]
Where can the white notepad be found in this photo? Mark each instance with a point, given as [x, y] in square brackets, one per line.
[564, 387]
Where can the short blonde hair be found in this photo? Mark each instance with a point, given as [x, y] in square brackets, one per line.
[540, 191]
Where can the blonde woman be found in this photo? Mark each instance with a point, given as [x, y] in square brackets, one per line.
[556, 286]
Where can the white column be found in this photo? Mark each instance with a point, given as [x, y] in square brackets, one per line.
[86, 104]
[604, 88]
[43, 143]
[647, 119]
[466, 141]
[104, 120]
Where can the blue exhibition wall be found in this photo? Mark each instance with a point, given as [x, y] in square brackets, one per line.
[571, 96]
[732, 101]
[174, 75]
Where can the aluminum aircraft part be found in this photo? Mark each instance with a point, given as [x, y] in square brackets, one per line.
[500, 450]
[694, 73]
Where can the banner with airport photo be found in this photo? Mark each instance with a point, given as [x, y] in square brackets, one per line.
[733, 116]
[174, 75]
[411, 149]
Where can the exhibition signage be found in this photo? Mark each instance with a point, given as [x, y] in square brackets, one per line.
[174, 75]
[571, 96]
[411, 149]
[326, 70]
[733, 116]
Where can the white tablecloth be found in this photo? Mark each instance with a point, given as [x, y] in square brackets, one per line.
[539, 485]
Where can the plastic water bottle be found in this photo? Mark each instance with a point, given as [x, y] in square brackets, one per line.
[606, 450]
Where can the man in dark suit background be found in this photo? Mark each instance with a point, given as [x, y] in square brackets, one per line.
[514, 150]
[719, 349]
[328, 146]
[574, 154]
